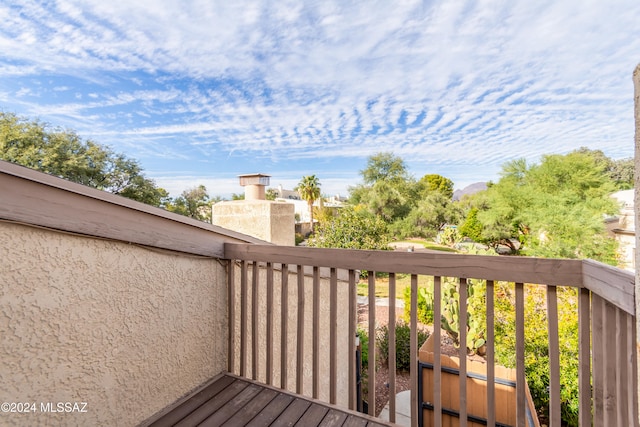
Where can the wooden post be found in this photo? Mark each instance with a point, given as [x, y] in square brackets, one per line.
[636, 97]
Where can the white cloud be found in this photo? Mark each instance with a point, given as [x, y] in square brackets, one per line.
[442, 83]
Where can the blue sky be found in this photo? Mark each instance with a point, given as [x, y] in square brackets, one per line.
[202, 91]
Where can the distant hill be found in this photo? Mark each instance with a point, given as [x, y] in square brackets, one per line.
[469, 189]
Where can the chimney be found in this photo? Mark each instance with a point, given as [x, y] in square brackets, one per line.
[270, 221]
[254, 185]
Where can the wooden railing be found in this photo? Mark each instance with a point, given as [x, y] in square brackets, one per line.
[606, 311]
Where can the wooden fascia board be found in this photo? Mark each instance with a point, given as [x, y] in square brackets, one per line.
[32, 197]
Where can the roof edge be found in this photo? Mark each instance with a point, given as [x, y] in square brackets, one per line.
[34, 197]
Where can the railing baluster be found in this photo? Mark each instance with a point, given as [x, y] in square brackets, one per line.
[622, 371]
[333, 336]
[269, 323]
[584, 356]
[284, 321]
[490, 354]
[243, 319]
[520, 378]
[437, 360]
[633, 355]
[254, 320]
[371, 380]
[610, 401]
[414, 351]
[300, 332]
[554, 357]
[352, 339]
[231, 295]
[316, 332]
[597, 353]
[462, 330]
[392, 347]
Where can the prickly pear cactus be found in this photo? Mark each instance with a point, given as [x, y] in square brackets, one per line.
[476, 313]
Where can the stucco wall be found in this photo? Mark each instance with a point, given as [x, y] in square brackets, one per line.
[342, 355]
[270, 221]
[126, 329]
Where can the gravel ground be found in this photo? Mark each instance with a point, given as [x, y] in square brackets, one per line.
[403, 380]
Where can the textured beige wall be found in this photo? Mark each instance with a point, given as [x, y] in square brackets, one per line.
[125, 329]
[270, 221]
[343, 353]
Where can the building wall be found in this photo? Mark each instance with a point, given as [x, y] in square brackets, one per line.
[126, 329]
[270, 221]
[624, 229]
[342, 342]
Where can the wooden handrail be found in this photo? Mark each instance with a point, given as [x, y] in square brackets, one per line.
[565, 272]
[613, 284]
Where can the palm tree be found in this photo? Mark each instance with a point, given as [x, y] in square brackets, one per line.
[309, 190]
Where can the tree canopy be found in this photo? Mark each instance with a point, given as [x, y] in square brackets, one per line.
[620, 171]
[408, 207]
[553, 209]
[432, 183]
[351, 229]
[193, 202]
[64, 154]
[384, 167]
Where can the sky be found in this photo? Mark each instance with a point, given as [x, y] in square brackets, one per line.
[201, 91]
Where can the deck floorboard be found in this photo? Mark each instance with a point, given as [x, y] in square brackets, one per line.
[232, 401]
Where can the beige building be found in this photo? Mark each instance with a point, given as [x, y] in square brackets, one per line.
[272, 221]
[623, 228]
[301, 207]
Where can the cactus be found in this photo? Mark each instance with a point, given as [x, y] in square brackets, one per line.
[450, 318]
[450, 313]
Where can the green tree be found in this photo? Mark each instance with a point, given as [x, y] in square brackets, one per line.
[437, 183]
[471, 227]
[620, 171]
[323, 213]
[64, 154]
[388, 191]
[271, 194]
[389, 200]
[428, 217]
[351, 229]
[309, 190]
[384, 167]
[554, 209]
[194, 203]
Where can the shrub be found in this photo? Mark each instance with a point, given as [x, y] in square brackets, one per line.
[536, 345]
[364, 347]
[403, 345]
[351, 230]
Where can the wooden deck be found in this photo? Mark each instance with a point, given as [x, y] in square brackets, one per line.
[229, 400]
